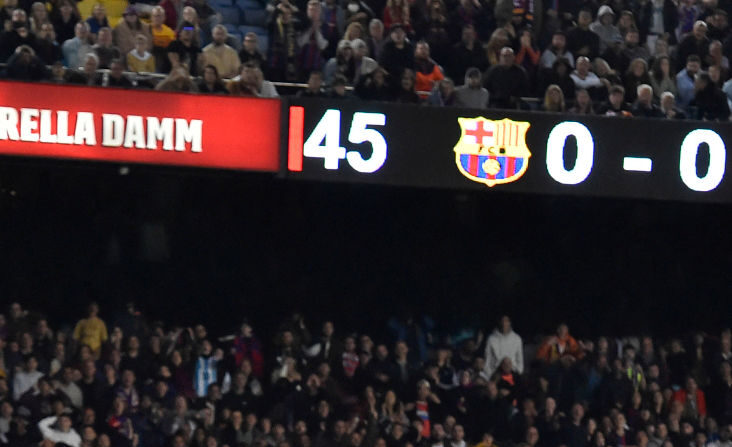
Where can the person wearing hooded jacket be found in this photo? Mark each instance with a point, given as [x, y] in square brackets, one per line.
[472, 94]
[504, 343]
[605, 27]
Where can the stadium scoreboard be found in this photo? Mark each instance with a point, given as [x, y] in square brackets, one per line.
[377, 143]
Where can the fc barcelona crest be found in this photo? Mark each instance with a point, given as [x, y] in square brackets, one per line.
[492, 151]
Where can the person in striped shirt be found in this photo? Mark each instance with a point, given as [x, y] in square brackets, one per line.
[206, 368]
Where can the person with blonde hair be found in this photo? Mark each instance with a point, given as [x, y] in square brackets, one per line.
[554, 99]
[139, 59]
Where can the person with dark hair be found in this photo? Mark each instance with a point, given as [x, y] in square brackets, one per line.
[661, 78]
[443, 94]
[636, 75]
[283, 45]
[557, 50]
[685, 80]
[711, 104]
[615, 105]
[117, 77]
[64, 19]
[311, 42]
[250, 50]
[47, 49]
[581, 41]
[398, 53]
[105, 49]
[582, 103]
[17, 36]
[338, 88]
[314, 88]
[559, 74]
[427, 72]
[184, 51]
[407, 92]
[467, 53]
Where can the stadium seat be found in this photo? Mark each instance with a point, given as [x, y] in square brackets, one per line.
[249, 4]
[219, 3]
[231, 28]
[229, 14]
[255, 17]
[263, 43]
[259, 30]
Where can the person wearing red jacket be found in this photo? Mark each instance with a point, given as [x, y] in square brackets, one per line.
[695, 404]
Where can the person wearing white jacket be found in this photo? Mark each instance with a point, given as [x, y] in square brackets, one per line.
[62, 432]
[504, 342]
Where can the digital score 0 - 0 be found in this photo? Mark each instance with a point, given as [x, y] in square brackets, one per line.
[511, 151]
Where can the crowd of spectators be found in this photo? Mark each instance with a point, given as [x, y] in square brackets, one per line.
[122, 380]
[650, 58]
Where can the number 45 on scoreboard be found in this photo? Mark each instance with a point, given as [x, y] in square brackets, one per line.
[325, 140]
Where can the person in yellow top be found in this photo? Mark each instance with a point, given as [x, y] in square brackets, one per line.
[91, 331]
[162, 35]
[139, 59]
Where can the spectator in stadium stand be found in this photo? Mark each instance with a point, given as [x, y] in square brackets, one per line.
[360, 13]
[64, 20]
[506, 82]
[528, 55]
[467, 53]
[499, 39]
[76, 48]
[189, 14]
[375, 40]
[632, 48]
[354, 31]
[311, 41]
[58, 73]
[98, 20]
[47, 49]
[265, 88]
[25, 379]
[397, 12]
[586, 79]
[709, 100]
[685, 80]
[442, 94]
[250, 50]
[283, 46]
[504, 342]
[605, 27]
[38, 16]
[126, 32]
[661, 78]
[91, 331]
[342, 63]
[398, 53]
[428, 73]
[695, 42]
[139, 59]
[407, 93]
[364, 64]
[183, 51]
[558, 345]
[636, 75]
[87, 75]
[472, 94]
[10, 40]
[581, 40]
[117, 77]
[643, 105]
[607, 75]
[211, 81]
[105, 49]
[6, 12]
[173, 10]
[715, 75]
[433, 30]
[162, 36]
[582, 103]
[59, 430]
[557, 49]
[717, 58]
[333, 23]
[560, 74]
[246, 85]
[220, 55]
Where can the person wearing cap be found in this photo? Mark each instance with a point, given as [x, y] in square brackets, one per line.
[605, 27]
[125, 33]
[695, 42]
[183, 50]
[472, 94]
[220, 55]
[398, 53]
[342, 63]
[557, 49]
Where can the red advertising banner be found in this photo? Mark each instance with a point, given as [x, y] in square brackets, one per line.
[133, 126]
